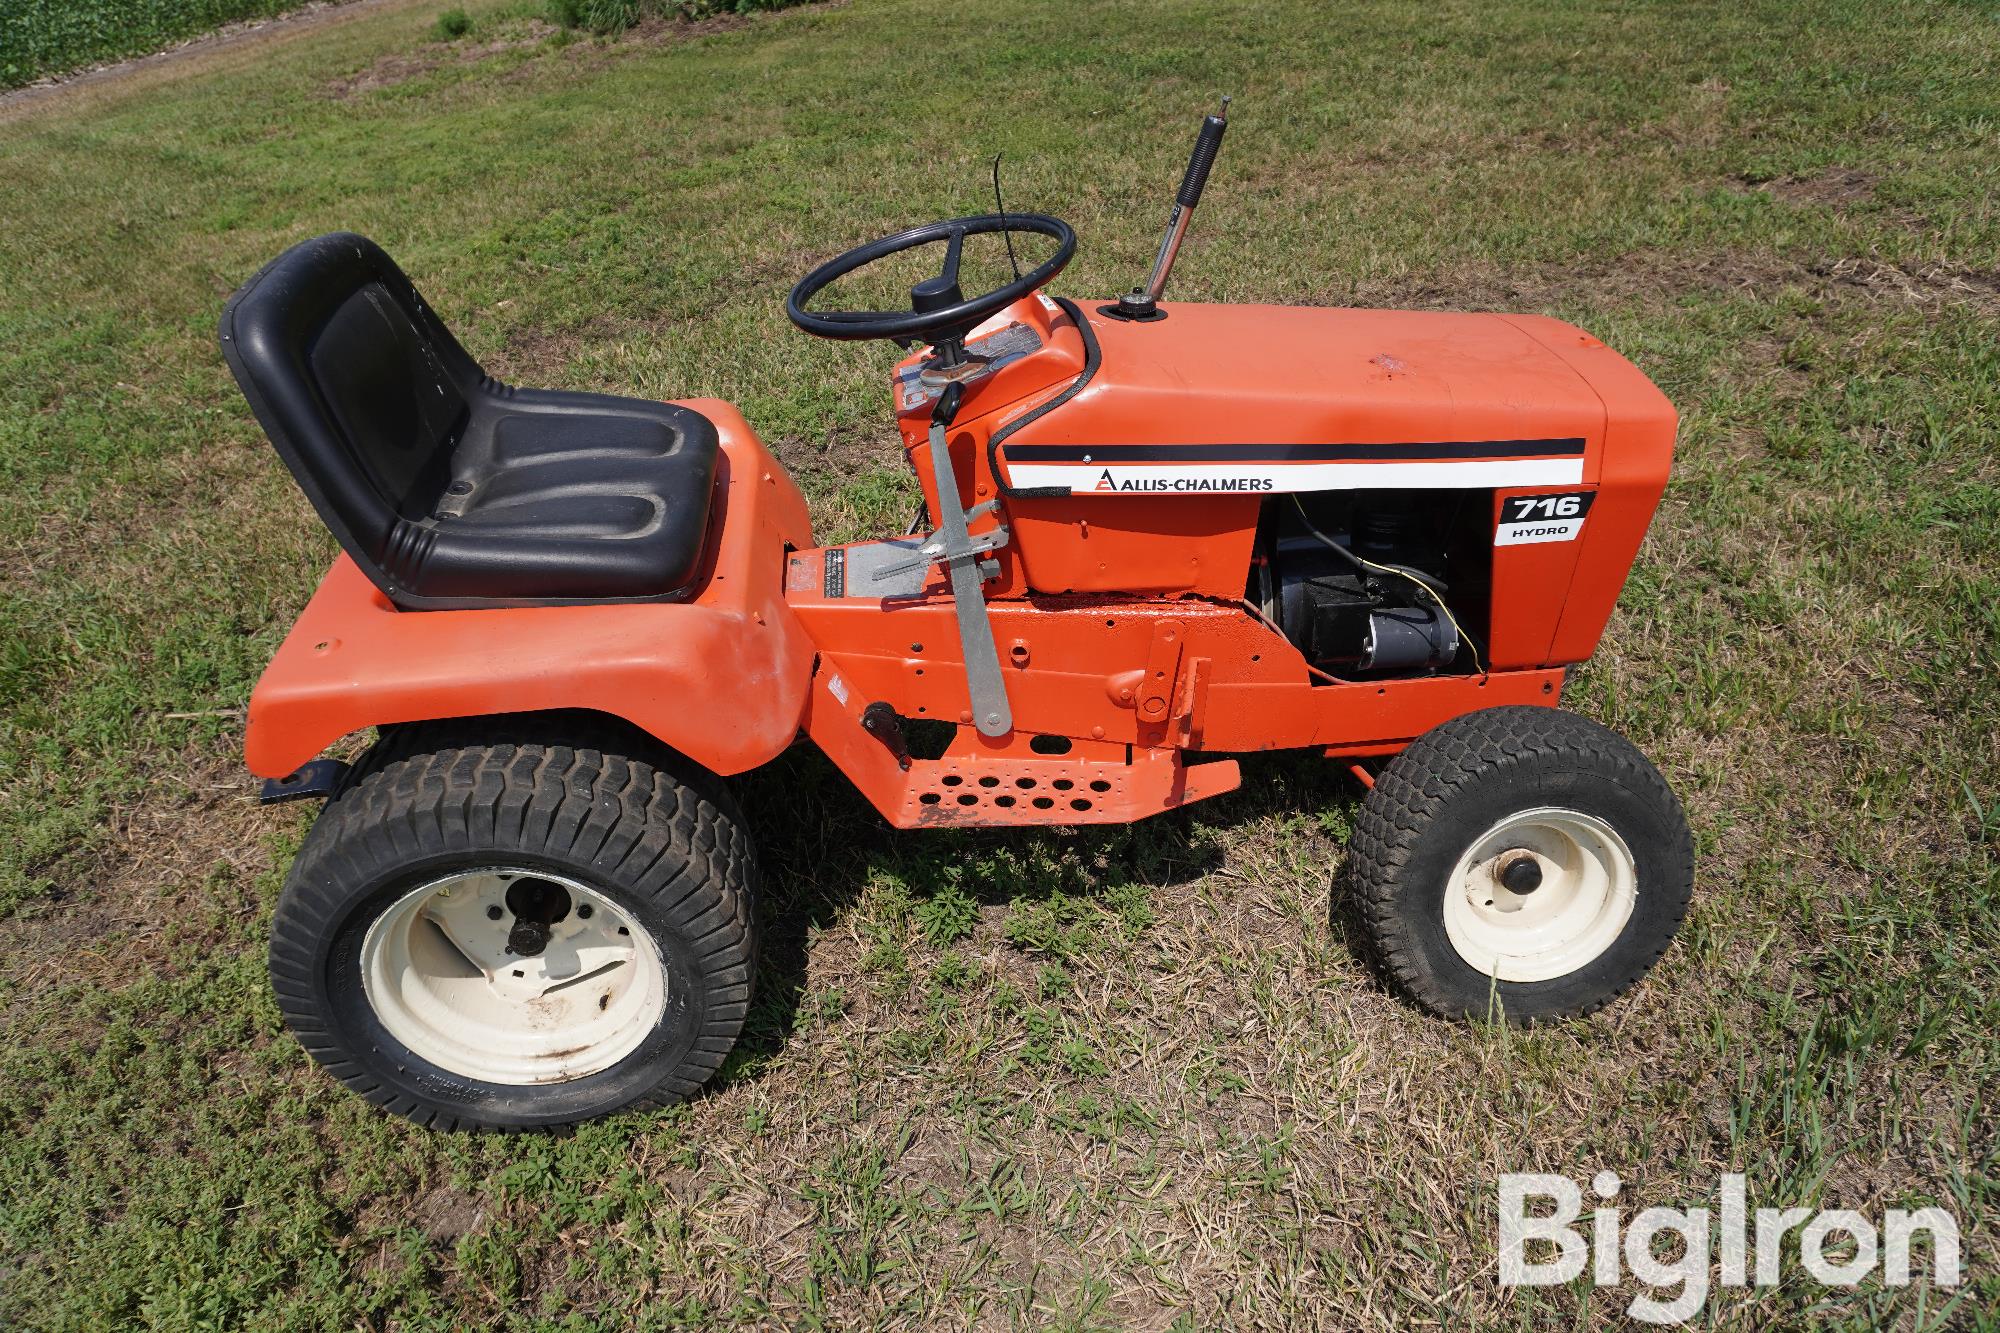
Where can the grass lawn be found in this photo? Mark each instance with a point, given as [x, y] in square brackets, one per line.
[1136, 1077]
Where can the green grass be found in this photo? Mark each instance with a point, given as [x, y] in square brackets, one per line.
[39, 38]
[1132, 1077]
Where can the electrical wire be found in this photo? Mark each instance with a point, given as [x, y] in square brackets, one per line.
[1417, 574]
[1410, 574]
[1273, 626]
[1006, 234]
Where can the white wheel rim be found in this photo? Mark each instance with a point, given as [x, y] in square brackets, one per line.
[1589, 887]
[437, 971]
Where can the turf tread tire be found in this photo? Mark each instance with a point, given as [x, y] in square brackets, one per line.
[574, 793]
[1415, 802]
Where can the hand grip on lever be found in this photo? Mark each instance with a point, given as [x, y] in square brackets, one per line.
[1206, 145]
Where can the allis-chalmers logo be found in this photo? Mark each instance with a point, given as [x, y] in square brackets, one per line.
[1107, 482]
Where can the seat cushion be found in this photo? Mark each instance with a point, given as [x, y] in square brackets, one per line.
[446, 487]
[561, 497]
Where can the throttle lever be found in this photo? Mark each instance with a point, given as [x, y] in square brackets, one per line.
[1143, 303]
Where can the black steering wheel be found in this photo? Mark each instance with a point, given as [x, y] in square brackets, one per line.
[939, 312]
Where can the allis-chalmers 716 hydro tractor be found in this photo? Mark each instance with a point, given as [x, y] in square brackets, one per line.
[1155, 534]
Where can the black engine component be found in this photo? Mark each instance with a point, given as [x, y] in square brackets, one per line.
[1350, 582]
[1408, 638]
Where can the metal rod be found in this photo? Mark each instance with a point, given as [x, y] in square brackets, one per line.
[1170, 248]
[985, 687]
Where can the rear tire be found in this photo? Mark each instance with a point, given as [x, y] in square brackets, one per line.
[519, 925]
[1520, 862]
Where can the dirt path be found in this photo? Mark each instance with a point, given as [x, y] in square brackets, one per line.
[195, 51]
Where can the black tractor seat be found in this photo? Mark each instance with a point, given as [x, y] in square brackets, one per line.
[449, 488]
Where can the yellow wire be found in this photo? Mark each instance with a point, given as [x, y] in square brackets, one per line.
[1429, 591]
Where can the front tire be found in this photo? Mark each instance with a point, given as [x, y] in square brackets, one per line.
[520, 927]
[1520, 862]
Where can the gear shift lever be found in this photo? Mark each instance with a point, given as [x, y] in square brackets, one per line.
[1142, 303]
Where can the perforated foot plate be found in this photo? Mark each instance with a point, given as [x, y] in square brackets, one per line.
[973, 791]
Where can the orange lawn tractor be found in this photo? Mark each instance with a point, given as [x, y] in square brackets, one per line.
[1154, 535]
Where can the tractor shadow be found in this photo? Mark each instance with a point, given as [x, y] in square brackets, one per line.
[821, 846]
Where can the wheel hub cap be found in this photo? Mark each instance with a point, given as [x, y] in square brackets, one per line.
[513, 976]
[1523, 873]
[1539, 895]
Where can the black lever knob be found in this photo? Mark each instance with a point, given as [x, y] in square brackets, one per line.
[946, 407]
[1206, 145]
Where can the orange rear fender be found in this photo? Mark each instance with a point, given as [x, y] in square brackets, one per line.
[722, 678]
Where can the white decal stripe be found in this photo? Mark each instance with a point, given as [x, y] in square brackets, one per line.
[1214, 478]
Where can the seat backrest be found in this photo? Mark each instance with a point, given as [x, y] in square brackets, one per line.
[362, 390]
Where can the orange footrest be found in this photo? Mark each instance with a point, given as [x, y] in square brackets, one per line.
[988, 792]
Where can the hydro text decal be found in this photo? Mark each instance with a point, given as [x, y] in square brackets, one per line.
[1526, 520]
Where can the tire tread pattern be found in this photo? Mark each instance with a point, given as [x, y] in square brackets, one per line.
[575, 791]
[1437, 770]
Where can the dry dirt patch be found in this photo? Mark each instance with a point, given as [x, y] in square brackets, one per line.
[657, 31]
[538, 357]
[1917, 284]
[1834, 187]
[399, 67]
[445, 1214]
[119, 912]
